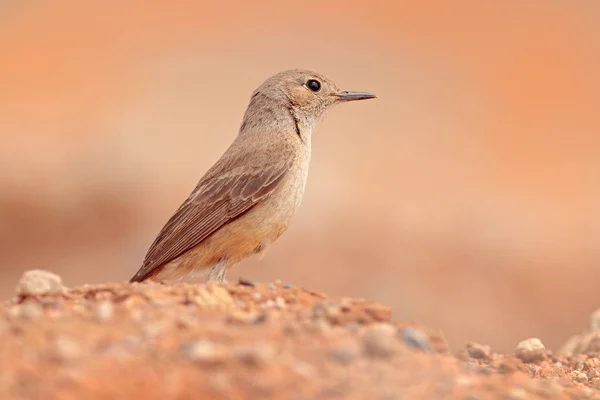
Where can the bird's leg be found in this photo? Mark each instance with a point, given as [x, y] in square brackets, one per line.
[218, 272]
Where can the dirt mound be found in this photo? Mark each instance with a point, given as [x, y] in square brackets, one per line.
[249, 340]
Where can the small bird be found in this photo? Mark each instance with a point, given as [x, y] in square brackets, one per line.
[247, 199]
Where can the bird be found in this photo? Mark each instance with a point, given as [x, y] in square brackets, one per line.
[247, 199]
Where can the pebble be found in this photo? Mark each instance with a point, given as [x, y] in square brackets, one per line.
[104, 310]
[38, 282]
[256, 296]
[287, 286]
[345, 353]
[280, 302]
[31, 310]
[517, 394]
[222, 295]
[330, 310]
[271, 286]
[478, 351]
[243, 317]
[379, 340]
[255, 355]
[66, 348]
[153, 329]
[530, 350]
[579, 377]
[416, 338]
[316, 326]
[204, 351]
[268, 304]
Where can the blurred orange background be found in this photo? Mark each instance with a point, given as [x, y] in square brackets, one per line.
[466, 196]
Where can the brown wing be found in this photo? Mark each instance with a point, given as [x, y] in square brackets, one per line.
[212, 204]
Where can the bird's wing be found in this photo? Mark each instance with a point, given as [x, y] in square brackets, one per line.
[212, 204]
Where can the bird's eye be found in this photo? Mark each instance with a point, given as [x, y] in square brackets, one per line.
[313, 85]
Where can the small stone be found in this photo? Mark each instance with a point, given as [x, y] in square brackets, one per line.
[345, 353]
[478, 351]
[256, 296]
[222, 295]
[153, 329]
[463, 381]
[268, 304]
[329, 309]
[579, 377]
[517, 394]
[530, 350]
[280, 302]
[66, 348]
[287, 286]
[38, 282]
[31, 310]
[271, 286]
[379, 340]
[243, 317]
[255, 355]
[277, 282]
[316, 326]
[104, 310]
[416, 338]
[204, 351]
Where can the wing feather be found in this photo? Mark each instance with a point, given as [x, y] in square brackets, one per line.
[212, 204]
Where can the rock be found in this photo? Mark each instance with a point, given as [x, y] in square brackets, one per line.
[31, 310]
[517, 393]
[530, 350]
[345, 353]
[222, 295]
[280, 302]
[104, 310]
[39, 282]
[204, 351]
[416, 338]
[213, 296]
[268, 304]
[243, 317]
[579, 377]
[379, 340]
[256, 296]
[478, 351]
[66, 348]
[255, 355]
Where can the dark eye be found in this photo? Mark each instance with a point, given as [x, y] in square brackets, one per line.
[313, 85]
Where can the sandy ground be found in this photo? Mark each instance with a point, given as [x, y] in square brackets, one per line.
[262, 341]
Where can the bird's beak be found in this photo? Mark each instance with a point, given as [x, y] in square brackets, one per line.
[350, 96]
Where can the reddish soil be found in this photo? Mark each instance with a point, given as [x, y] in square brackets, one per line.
[263, 341]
